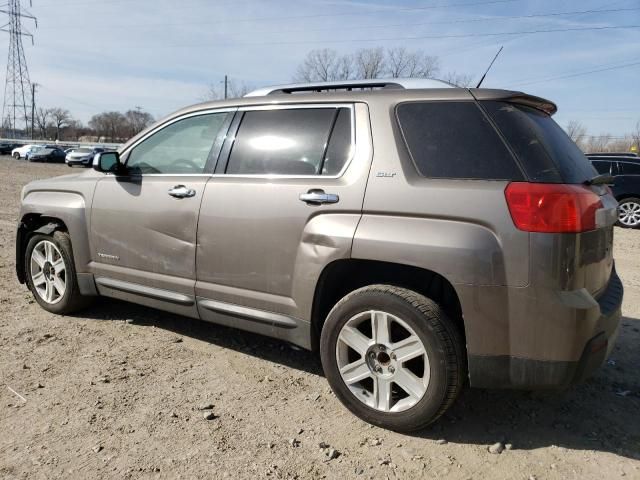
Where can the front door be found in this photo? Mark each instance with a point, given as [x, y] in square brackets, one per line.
[143, 222]
[284, 202]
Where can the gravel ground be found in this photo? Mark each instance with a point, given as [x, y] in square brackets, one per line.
[119, 391]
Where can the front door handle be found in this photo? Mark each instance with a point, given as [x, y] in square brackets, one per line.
[180, 191]
[318, 197]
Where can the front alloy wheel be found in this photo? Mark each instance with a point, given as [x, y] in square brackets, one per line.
[48, 272]
[629, 213]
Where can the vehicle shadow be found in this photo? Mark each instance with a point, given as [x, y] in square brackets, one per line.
[602, 414]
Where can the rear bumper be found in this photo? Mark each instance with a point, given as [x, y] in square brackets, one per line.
[514, 371]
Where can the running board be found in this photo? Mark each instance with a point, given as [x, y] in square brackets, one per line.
[251, 314]
[150, 292]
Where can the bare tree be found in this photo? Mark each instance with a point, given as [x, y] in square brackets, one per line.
[598, 143]
[463, 80]
[402, 63]
[60, 118]
[137, 120]
[324, 65]
[576, 132]
[635, 137]
[109, 125]
[42, 121]
[370, 63]
[235, 89]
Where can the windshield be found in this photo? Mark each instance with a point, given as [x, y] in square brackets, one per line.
[545, 151]
[83, 150]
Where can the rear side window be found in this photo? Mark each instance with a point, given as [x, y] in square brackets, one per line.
[300, 141]
[628, 168]
[545, 151]
[602, 167]
[454, 140]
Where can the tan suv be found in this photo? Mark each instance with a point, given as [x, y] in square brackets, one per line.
[417, 235]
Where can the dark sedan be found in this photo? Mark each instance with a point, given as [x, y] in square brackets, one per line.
[47, 154]
[626, 171]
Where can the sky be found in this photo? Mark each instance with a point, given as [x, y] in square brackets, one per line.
[91, 56]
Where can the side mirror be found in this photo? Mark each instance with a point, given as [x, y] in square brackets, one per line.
[107, 162]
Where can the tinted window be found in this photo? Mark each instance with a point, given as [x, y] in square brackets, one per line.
[628, 168]
[545, 151]
[602, 167]
[289, 142]
[339, 149]
[455, 140]
[181, 147]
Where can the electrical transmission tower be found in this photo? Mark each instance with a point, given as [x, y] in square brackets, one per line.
[17, 88]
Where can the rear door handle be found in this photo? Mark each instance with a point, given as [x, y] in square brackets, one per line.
[318, 197]
[180, 191]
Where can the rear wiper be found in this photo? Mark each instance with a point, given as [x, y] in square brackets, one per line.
[603, 179]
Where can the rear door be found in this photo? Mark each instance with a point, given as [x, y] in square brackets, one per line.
[284, 202]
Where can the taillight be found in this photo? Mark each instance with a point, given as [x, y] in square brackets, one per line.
[552, 208]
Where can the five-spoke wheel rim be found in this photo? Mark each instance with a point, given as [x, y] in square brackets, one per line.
[48, 272]
[629, 214]
[382, 361]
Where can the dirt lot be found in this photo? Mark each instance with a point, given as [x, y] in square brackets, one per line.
[116, 392]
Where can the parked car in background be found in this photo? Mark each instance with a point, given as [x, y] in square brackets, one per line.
[419, 236]
[7, 148]
[24, 151]
[47, 154]
[626, 171]
[82, 156]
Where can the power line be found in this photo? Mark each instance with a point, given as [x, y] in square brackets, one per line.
[571, 75]
[416, 37]
[393, 25]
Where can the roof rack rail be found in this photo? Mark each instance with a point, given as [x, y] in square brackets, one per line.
[350, 85]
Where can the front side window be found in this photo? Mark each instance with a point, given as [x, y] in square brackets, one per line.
[182, 147]
[454, 140]
[293, 141]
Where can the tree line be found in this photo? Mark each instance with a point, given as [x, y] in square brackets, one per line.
[604, 142]
[58, 124]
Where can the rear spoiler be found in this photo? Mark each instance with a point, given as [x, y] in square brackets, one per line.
[518, 98]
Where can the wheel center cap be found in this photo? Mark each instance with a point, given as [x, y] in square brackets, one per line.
[381, 360]
[48, 270]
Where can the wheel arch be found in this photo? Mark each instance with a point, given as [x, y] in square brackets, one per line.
[31, 224]
[343, 276]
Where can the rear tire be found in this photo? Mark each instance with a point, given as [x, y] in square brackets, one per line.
[403, 379]
[51, 274]
[629, 213]
[16, 156]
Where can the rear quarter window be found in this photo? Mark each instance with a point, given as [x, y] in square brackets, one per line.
[545, 151]
[454, 140]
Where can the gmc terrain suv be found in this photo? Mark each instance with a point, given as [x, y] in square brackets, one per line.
[417, 235]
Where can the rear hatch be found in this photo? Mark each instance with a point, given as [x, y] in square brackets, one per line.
[564, 186]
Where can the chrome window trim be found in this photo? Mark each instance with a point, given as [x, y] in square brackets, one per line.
[171, 121]
[353, 145]
[299, 106]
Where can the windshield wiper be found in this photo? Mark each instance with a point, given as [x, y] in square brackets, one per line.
[603, 179]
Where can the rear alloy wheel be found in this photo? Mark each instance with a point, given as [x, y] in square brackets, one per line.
[629, 213]
[392, 357]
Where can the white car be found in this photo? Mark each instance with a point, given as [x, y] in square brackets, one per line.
[21, 152]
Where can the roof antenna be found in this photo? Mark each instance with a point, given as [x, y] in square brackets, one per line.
[489, 68]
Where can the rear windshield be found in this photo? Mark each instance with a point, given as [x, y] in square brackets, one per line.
[545, 151]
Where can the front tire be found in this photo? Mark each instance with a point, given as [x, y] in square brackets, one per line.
[392, 357]
[51, 273]
[629, 213]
